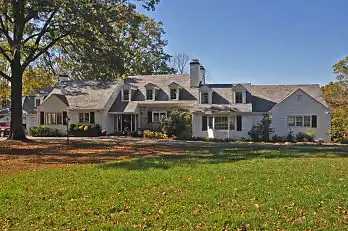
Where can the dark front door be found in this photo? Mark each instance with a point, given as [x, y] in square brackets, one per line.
[126, 122]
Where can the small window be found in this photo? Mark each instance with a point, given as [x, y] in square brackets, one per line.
[299, 121]
[239, 97]
[149, 94]
[232, 123]
[204, 123]
[221, 123]
[173, 93]
[291, 121]
[125, 95]
[307, 121]
[158, 116]
[37, 102]
[205, 98]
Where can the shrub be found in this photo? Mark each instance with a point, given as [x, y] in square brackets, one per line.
[85, 130]
[43, 131]
[344, 141]
[310, 135]
[154, 135]
[278, 139]
[301, 137]
[149, 134]
[290, 137]
[261, 130]
[178, 123]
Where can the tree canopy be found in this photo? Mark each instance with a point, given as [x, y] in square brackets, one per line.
[91, 39]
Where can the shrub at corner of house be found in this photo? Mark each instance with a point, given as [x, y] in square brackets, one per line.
[261, 130]
[43, 131]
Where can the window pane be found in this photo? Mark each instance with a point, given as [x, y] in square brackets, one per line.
[163, 115]
[291, 121]
[239, 97]
[149, 94]
[37, 102]
[211, 122]
[221, 123]
[81, 118]
[299, 121]
[126, 95]
[173, 93]
[204, 123]
[205, 98]
[87, 117]
[156, 117]
[59, 118]
[233, 123]
[307, 121]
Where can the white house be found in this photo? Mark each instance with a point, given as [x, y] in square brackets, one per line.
[218, 110]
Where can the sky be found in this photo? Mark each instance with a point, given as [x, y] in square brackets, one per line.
[258, 41]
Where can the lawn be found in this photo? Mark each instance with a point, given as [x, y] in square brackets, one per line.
[205, 187]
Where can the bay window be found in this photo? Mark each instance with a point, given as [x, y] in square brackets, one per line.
[53, 118]
[221, 123]
[86, 117]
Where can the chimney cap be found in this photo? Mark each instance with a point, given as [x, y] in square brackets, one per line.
[195, 61]
[202, 68]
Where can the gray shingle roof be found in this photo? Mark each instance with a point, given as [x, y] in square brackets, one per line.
[85, 94]
[206, 108]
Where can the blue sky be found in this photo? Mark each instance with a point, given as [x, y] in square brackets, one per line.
[258, 41]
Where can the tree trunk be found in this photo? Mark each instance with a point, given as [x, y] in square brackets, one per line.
[17, 131]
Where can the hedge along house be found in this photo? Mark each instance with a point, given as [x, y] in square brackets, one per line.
[218, 110]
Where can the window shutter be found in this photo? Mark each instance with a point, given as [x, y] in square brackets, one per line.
[239, 123]
[65, 115]
[149, 116]
[314, 121]
[42, 118]
[91, 119]
[204, 123]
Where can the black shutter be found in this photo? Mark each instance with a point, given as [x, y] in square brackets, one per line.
[91, 118]
[239, 123]
[42, 118]
[210, 122]
[65, 115]
[149, 116]
[314, 121]
[204, 123]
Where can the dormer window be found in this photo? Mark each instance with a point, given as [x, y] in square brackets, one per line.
[37, 102]
[174, 94]
[239, 97]
[149, 94]
[125, 95]
[205, 98]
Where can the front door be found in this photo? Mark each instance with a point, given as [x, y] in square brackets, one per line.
[126, 122]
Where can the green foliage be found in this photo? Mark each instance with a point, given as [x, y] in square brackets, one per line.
[85, 130]
[43, 131]
[291, 137]
[178, 124]
[279, 139]
[262, 130]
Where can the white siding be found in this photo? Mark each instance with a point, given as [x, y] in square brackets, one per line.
[291, 106]
[247, 122]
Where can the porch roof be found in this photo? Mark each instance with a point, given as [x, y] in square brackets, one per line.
[213, 108]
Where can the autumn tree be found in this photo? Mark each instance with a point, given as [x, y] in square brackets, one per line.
[179, 63]
[40, 31]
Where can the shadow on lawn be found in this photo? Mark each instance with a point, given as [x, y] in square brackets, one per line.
[145, 155]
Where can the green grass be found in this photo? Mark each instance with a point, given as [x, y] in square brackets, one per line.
[262, 189]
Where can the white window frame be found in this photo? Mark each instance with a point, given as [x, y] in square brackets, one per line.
[302, 119]
[287, 121]
[84, 118]
[202, 100]
[48, 118]
[176, 94]
[129, 95]
[37, 98]
[159, 116]
[235, 97]
[152, 94]
[221, 125]
[233, 120]
[310, 121]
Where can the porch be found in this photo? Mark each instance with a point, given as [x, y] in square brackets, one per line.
[129, 122]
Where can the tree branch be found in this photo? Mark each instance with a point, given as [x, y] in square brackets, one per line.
[44, 28]
[33, 57]
[3, 52]
[5, 31]
[2, 74]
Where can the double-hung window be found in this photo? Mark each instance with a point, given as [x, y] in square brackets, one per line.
[221, 123]
[302, 121]
[291, 121]
[125, 95]
[149, 94]
[299, 121]
[173, 94]
[205, 98]
[239, 97]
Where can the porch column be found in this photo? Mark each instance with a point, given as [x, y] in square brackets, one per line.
[228, 124]
[131, 122]
[138, 121]
[213, 122]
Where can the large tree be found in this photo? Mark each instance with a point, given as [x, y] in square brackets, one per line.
[179, 63]
[336, 95]
[35, 31]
